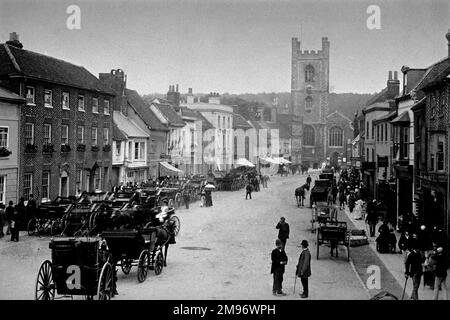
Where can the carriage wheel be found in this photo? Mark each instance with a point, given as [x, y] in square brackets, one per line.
[317, 243]
[105, 283]
[143, 264]
[176, 224]
[92, 218]
[125, 265]
[159, 263]
[31, 227]
[170, 203]
[45, 286]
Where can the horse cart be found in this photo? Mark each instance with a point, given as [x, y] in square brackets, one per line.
[320, 213]
[333, 233]
[78, 267]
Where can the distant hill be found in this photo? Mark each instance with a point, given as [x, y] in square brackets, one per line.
[346, 103]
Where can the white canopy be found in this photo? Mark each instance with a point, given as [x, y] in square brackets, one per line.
[242, 162]
[167, 169]
[270, 160]
[283, 160]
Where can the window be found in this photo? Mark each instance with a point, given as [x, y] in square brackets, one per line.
[367, 154]
[404, 142]
[218, 121]
[29, 133]
[442, 103]
[118, 148]
[64, 134]
[80, 134]
[4, 137]
[65, 101]
[45, 184]
[367, 129]
[308, 103]
[336, 137]
[130, 150]
[382, 132]
[309, 73]
[229, 122]
[47, 133]
[386, 132]
[30, 95]
[94, 136]
[106, 107]
[105, 136]
[79, 180]
[98, 179]
[378, 133]
[373, 154]
[373, 130]
[440, 154]
[308, 136]
[94, 105]
[224, 123]
[27, 185]
[3, 189]
[80, 103]
[139, 150]
[48, 98]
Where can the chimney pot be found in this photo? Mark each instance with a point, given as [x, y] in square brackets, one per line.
[390, 75]
[13, 36]
[395, 75]
[176, 89]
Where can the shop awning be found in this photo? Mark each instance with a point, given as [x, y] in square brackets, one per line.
[270, 160]
[166, 169]
[283, 160]
[402, 119]
[242, 162]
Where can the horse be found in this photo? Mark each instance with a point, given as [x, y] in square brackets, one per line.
[163, 235]
[300, 194]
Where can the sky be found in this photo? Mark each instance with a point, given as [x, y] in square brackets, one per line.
[232, 46]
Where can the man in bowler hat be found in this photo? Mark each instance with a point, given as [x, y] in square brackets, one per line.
[279, 260]
[304, 268]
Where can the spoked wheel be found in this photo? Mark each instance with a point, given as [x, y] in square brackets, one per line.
[125, 265]
[45, 286]
[143, 264]
[31, 227]
[176, 224]
[159, 263]
[171, 203]
[105, 283]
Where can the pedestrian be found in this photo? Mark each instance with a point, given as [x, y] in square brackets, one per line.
[342, 200]
[283, 233]
[15, 225]
[304, 268]
[186, 198]
[334, 191]
[9, 215]
[248, 191]
[372, 217]
[404, 244]
[440, 265]
[308, 180]
[279, 261]
[2, 219]
[413, 269]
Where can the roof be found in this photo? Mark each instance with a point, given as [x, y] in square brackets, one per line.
[340, 115]
[5, 94]
[128, 126]
[418, 104]
[187, 112]
[386, 117]
[379, 97]
[169, 112]
[117, 134]
[239, 122]
[402, 119]
[435, 73]
[144, 111]
[16, 61]
[377, 105]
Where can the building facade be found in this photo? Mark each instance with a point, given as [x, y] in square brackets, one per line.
[10, 106]
[61, 152]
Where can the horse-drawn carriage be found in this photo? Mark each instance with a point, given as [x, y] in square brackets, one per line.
[333, 233]
[319, 192]
[49, 216]
[78, 267]
[142, 245]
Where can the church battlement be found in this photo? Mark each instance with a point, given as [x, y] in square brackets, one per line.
[318, 54]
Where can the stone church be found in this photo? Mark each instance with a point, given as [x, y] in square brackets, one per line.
[317, 135]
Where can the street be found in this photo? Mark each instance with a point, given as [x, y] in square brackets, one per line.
[222, 252]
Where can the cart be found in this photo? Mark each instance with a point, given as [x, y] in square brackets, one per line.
[78, 267]
[135, 248]
[320, 213]
[333, 233]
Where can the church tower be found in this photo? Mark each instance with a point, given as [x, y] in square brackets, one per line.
[309, 102]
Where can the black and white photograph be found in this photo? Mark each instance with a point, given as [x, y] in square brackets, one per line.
[256, 151]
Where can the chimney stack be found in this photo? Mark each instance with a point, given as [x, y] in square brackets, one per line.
[14, 40]
[448, 41]
[173, 96]
[393, 85]
[176, 89]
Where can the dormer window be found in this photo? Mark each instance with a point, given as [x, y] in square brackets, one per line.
[309, 73]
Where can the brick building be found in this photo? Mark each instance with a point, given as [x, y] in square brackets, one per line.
[66, 124]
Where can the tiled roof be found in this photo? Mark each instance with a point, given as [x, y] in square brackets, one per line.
[187, 112]
[16, 61]
[117, 134]
[128, 127]
[435, 73]
[5, 94]
[239, 122]
[379, 97]
[169, 113]
[136, 101]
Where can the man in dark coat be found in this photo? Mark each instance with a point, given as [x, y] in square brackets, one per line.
[186, 198]
[304, 268]
[9, 216]
[414, 270]
[308, 180]
[372, 216]
[279, 260]
[248, 191]
[283, 233]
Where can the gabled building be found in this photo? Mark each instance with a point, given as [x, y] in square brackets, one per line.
[67, 108]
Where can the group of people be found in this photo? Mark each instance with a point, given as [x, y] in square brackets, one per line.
[280, 260]
[13, 216]
[253, 184]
